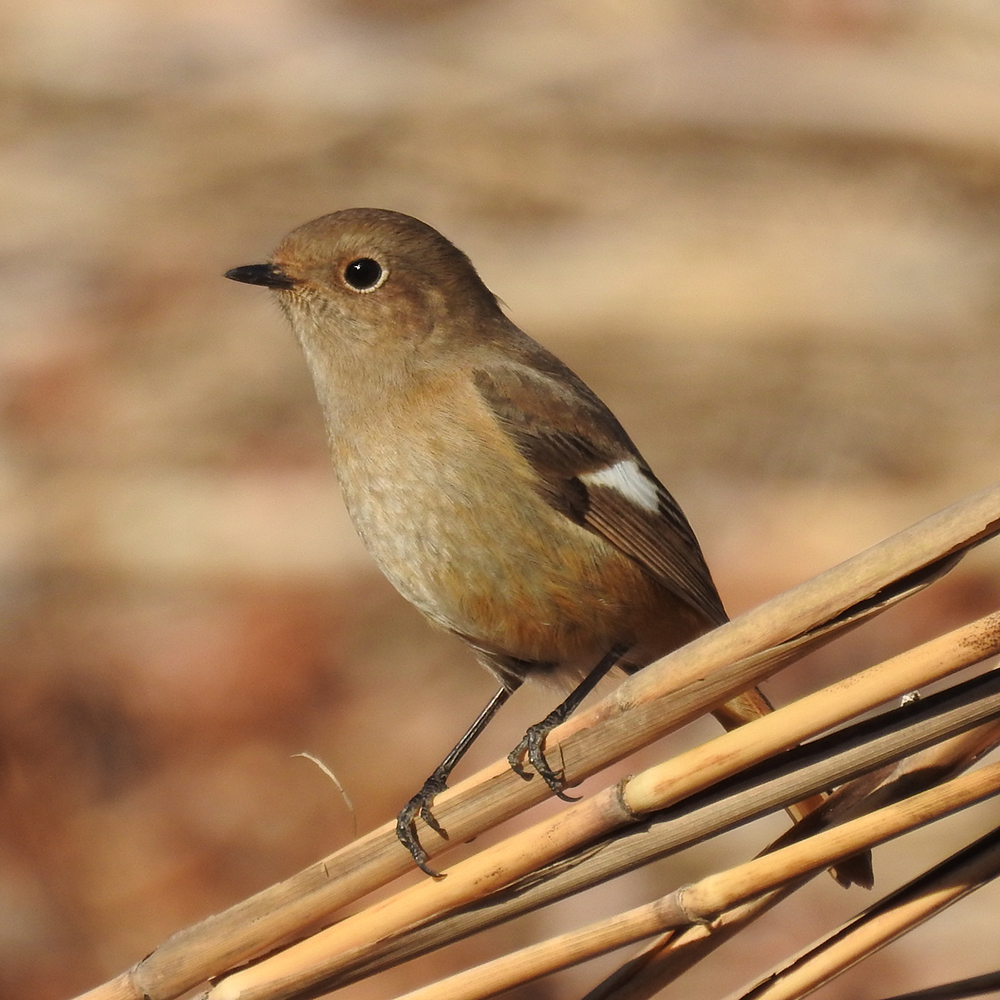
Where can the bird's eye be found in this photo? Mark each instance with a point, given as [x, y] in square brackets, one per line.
[364, 274]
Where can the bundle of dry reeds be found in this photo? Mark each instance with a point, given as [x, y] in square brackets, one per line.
[893, 771]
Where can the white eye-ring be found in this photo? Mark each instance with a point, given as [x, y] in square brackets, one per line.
[365, 274]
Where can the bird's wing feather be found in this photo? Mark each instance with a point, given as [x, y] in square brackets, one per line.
[573, 442]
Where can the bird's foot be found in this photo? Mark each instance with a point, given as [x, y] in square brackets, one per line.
[530, 750]
[420, 805]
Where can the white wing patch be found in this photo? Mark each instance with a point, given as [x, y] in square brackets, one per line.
[628, 479]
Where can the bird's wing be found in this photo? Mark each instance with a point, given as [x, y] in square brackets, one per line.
[591, 472]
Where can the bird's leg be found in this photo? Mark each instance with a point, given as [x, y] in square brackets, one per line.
[531, 746]
[420, 804]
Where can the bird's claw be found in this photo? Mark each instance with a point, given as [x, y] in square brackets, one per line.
[530, 750]
[420, 805]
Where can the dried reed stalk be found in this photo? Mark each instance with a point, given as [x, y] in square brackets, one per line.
[704, 901]
[663, 960]
[863, 935]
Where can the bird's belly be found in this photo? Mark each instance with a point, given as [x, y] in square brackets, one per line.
[525, 583]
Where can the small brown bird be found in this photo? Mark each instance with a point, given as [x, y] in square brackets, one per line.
[492, 487]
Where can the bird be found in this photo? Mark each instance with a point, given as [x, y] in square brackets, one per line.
[489, 483]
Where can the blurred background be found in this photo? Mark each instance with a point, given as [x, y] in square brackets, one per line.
[765, 231]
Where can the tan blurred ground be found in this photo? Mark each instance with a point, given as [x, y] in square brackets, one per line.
[766, 232]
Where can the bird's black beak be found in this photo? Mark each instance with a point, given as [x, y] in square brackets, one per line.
[269, 275]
